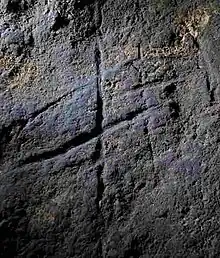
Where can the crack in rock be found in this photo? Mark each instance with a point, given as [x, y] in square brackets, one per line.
[211, 90]
[150, 146]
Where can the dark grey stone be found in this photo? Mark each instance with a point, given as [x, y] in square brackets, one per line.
[109, 128]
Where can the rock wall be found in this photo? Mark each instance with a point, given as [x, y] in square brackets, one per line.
[109, 128]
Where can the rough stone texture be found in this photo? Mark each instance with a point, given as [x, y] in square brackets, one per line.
[109, 128]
